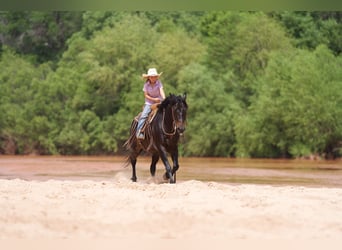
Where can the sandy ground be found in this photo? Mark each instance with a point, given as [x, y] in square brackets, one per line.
[118, 208]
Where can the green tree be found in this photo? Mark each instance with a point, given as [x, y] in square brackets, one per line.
[173, 51]
[311, 29]
[114, 55]
[241, 43]
[39, 34]
[298, 107]
[20, 129]
[94, 21]
[258, 37]
[218, 29]
[188, 21]
[210, 115]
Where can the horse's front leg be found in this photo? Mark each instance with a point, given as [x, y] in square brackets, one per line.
[155, 158]
[174, 156]
[168, 174]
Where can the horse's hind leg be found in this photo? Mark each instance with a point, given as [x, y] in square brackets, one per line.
[134, 174]
[133, 159]
[155, 158]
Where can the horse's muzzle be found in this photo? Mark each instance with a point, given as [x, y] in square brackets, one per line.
[181, 130]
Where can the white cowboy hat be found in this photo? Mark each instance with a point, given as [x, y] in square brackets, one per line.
[151, 72]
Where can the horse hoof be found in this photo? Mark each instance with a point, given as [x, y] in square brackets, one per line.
[165, 177]
[171, 179]
[134, 179]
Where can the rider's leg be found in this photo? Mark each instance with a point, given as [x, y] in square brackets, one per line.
[142, 119]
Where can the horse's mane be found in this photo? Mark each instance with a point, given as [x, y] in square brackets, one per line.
[168, 100]
[171, 100]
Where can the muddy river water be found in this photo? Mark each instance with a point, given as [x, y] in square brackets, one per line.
[223, 170]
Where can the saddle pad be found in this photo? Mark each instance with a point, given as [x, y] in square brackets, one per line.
[150, 117]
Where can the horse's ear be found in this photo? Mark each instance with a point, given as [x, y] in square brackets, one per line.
[184, 96]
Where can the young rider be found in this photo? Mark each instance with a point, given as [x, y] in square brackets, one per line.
[154, 93]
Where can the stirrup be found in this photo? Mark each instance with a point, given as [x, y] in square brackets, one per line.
[140, 135]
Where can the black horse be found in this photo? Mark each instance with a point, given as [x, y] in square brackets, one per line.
[161, 136]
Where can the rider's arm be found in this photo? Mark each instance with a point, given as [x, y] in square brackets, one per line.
[162, 93]
[155, 100]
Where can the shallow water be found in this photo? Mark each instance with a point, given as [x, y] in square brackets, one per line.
[225, 170]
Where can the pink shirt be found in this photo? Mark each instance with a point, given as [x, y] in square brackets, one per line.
[152, 90]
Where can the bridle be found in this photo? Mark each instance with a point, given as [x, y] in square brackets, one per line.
[179, 106]
[173, 122]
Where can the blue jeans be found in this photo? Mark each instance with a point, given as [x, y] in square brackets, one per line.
[146, 111]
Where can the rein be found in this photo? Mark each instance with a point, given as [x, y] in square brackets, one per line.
[174, 124]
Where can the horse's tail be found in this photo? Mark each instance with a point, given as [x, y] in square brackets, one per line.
[149, 134]
[128, 145]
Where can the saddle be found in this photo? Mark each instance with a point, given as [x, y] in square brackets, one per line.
[152, 114]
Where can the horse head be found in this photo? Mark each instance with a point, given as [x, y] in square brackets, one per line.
[179, 108]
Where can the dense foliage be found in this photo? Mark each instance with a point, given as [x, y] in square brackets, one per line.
[259, 84]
